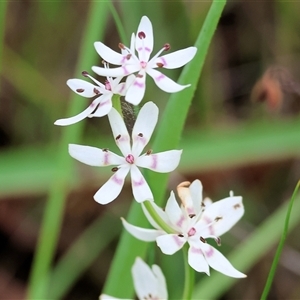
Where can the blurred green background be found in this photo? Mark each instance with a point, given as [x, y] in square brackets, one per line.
[242, 133]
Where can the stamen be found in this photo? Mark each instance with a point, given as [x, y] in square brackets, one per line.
[121, 46]
[192, 215]
[80, 90]
[105, 149]
[85, 73]
[192, 231]
[236, 206]
[160, 65]
[139, 75]
[202, 239]
[115, 169]
[149, 152]
[180, 235]
[218, 241]
[118, 136]
[96, 91]
[128, 56]
[218, 219]
[140, 134]
[141, 35]
[167, 47]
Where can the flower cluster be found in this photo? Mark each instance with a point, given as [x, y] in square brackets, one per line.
[194, 221]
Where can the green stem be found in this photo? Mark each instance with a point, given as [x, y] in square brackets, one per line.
[116, 103]
[3, 9]
[158, 220]
[52, 220]
[280, 245]
[189, 275]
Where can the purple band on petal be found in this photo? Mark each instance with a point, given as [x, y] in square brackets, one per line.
[117, 180]
[210, 252]
[106, 158]
[125, 70]
[196, 250]
[138, 183]
[160, 77]
[141, 85]
[209, 221]
[154, 161]
[179, 223]
[177, 240]
[164, 62]
[145, 48]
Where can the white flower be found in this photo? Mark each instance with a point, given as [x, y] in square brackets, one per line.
[102, 105]
[148, 283]
[143, 128]
[130, 62]
[209, 222]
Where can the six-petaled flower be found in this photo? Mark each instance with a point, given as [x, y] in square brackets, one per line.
[132, 159]
[141, 64]
[210, 222]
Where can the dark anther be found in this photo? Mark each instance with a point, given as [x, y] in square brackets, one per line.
[115, 169]
[118, 136]
[160, 65]
[121, 46]
[202, 239]
[218, 240]
[80, 90]
[140, 75]
[105, 149]
[85, 73]
[141, 35]
[167, 47]
[236, 206]
[218, 219]
[128, 56]
[96, 91]
[140, 134]
[180, 235]
[149, 152]
[192, 215]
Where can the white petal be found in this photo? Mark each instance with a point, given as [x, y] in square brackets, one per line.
[222, 214]
[219, 262]
[196, 190]
[107, 297]
[104, 106]
[140, 187]
[174, 213]
[144, 46]
[170, 243]
[136, 91]
[161, 283]
[80, 116]
[116, 72]
[143, 127]
[162, 162]
[145, 283]
[108, 54]
[94, 156]
[143, 234]
[176, 59]
[82, 88]
[112, 188]
[164, 82]
[120, 132]
[197, 260]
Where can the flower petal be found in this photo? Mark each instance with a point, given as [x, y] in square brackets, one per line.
[136, 91]
[222, 215]
[143, 234]
[191, 196]
[145, 282]
[94, 156]
[144, 45]
[82, 88]
[108, 54]
[161, 283]
[197, 261]
[162, 162]
[107, 297]
[80, 116]
[120, 132]
[140, 188]
[170, 243]
[164, 82]
[174, 213]
[176, 59]
[219, 262]
[112, 188]
[104, 106]
[116, 72]
[143, 127]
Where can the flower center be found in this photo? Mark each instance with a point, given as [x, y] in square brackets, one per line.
[191, 232]
[107, 85]
[130, 159]
[143, 64]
